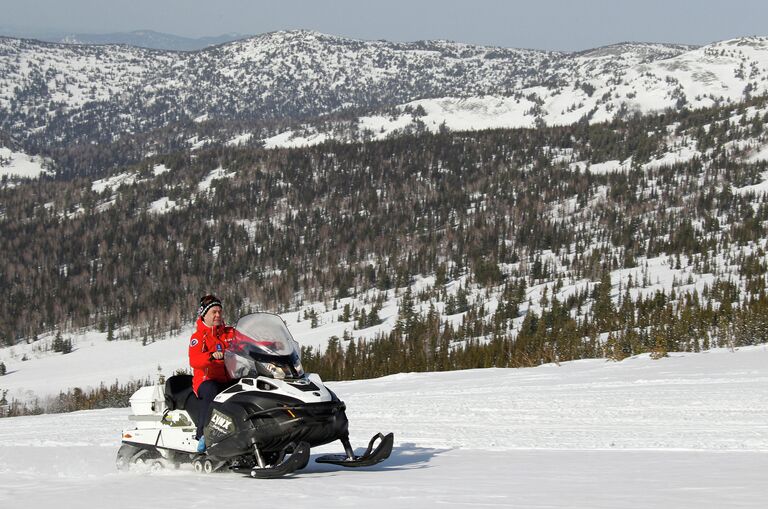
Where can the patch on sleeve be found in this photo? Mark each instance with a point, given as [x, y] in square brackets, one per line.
[193, 342]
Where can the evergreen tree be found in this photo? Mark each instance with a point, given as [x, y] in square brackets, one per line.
[604, 312]
[373, 316]
[346, 315]
[660, 345]
[58, 343]
[110, 330]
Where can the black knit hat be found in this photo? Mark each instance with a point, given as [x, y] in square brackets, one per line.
[207, 303]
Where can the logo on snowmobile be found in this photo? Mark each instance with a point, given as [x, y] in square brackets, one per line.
[193, 342]
[221, 423]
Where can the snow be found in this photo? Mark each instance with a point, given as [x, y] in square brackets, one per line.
[159, 169]
[196, 143]
[240, 140]
[19, 164]
[162, 205]
[114, 182]
[613, 166]
[759, 155]
[486, 112]
[687, 431]
[218, 173]
[291, 139]
[381, 126]
[125, 178]
[626, 78]
[759, 188]
[675, 156]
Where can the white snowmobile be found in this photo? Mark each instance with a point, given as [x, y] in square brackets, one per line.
[263, 425]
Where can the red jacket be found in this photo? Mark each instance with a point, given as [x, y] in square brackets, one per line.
[202, 344]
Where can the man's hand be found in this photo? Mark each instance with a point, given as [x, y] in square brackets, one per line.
[217, 355]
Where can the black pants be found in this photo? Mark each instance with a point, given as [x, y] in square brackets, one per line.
[205, 393]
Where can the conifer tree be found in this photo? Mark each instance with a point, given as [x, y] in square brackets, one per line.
[58, 343]
[660, 345]
[603, 312]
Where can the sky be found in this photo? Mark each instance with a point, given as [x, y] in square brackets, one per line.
[566, 25]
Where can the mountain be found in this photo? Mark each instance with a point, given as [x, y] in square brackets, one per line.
[445, 250]
[53, 96]
[148, 39]
[101, 92]
[138, 38]
[427, 246]
[597, 86]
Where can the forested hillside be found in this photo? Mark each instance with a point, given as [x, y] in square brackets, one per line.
[538, 244]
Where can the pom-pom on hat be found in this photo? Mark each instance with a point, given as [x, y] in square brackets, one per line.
[207, 303]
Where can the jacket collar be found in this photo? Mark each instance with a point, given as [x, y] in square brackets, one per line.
[202, 327]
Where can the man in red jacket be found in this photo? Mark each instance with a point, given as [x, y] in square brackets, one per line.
[206, 356]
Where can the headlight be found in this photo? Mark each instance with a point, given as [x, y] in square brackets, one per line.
[281, 371]
[299, 369]
[274, 370]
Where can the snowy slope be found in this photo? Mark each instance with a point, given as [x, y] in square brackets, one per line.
[598, 85]
[33, 366]
[19, 164]
[688, 431]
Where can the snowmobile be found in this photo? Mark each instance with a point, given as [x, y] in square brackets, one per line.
[263, 425]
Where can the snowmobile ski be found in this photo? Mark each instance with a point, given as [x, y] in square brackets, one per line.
[370, 457]
[297, 459]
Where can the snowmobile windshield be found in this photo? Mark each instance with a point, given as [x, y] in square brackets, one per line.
[263, 346]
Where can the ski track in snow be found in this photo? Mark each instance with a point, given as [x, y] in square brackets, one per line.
[687, 431]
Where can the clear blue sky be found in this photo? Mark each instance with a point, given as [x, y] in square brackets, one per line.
[543, 24]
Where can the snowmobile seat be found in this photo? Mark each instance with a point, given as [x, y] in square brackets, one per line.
[179, 395]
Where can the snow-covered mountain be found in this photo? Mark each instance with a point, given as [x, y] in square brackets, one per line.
[597, 85]
[302, 73]
[148, 39]
[276, 75]
[297, 72]
[54, 94]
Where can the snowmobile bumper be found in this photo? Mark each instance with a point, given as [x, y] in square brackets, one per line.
[314, 423]
[272, 429]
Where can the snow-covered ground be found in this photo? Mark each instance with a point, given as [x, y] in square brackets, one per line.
[687, 431]
[21, 165]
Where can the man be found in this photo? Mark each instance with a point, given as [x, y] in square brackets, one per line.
[206, 357]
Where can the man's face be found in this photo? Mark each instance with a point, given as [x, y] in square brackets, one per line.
[212, 317]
